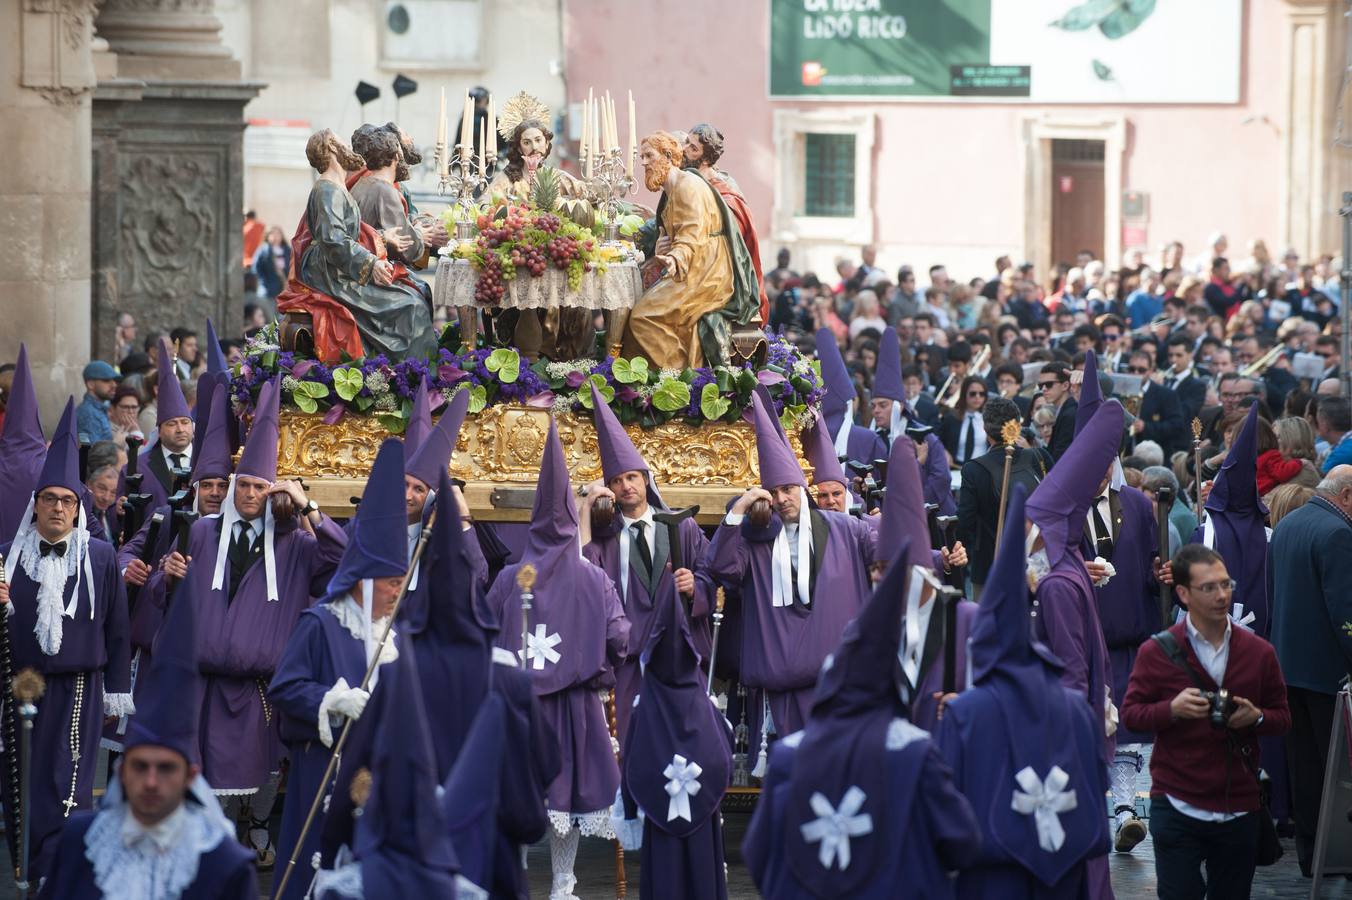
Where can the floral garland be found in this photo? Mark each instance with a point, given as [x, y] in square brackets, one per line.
[636, 392]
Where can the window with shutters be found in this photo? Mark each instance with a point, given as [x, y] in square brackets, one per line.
[828, 172]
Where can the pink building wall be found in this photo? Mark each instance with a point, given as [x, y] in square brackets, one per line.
[949, 178]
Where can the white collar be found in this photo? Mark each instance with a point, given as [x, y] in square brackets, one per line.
[646, 519]
[186, 452]
[161, 835]
[1196, 636]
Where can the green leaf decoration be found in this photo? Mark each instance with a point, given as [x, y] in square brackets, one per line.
[478, 398]
[304, 402]
[363, 403]
[746, 381]
[713, 404]
[506, 364]
[394, 423]
[1127, 19]
[312, 389]
[790, 415]
[584, 395]
[671, 395]
[1086, 15]
[268, 360]
[630, 371]
[347, 383]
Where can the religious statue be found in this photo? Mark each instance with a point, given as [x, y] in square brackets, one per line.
[360, 301]
[378, 196]
[703, 148]
[524, 125]
[705, 282]
[430, 228]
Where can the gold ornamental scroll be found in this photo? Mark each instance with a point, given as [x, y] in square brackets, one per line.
[498, 458]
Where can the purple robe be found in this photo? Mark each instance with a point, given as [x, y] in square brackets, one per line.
[580, 608]
[22, 447]
[864, 445]
[95, 656]
[604, 552]
[937, 477]
[156, 478]
[1128, 605]
[226, 872]
[783, 649]
[1066, 620]
[924, 711]
[241, 640]
[319, 652]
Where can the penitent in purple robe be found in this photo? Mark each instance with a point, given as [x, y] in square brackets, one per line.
[22, 448]
[859, 804]
[1128, 605]
[1014, 730]
[578, 634]
[241, 640]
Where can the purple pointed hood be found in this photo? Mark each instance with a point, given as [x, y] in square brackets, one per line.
[61, 468]
[401, 836]
[551, 543]
[674, 718]
[377, 546]
[169, 400]
[1002, 634]
[259, 456]
[450, 606]
[905, 523]
[471, 791]
[778, 465]
[843, 751]
[166, 714]
[216, 362]
[836, 377]
[1235, 489]
[1091, 393]
[618, 453]
[419, 421]
[211, 459]
[820, 450]
[22, 448]
[201, 413]
[1061, 501]
[887, 378]
[432, 458]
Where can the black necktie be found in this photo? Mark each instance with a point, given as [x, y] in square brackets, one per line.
[59, 548]
[970, 446]
[176, 460]
[244, 541]
[644, 553]
[1103, 538]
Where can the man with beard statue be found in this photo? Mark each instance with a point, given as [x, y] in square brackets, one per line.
[703, 149]
[66, 612]
[677, 762]
[1065, 607]
[433, 230]
[859, 804]
[361, 303]
[318, 682]
[705, 281]
[636, 551]
[577, 635]
[1025, 749]
[382, 203]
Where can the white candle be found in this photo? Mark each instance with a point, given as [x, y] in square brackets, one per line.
[442, 158]
[467, 129]
[582, 139]
[596, 127]
[483, 147]
[491, 132]
[633, 138]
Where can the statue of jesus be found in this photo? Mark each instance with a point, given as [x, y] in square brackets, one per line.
[707, 282]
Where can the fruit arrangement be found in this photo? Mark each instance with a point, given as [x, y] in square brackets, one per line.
[529, 240]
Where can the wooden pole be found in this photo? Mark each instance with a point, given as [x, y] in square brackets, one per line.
[1009, 433]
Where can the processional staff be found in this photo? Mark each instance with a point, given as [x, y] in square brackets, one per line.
[1009, 433]
[720, 598]
[28, 688]
[1197, 465]
[525, 579]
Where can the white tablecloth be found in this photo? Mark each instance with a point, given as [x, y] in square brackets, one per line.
[619, 287]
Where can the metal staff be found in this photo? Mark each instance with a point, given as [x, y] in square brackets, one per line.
[1197, 464]
[1009, 433]
[347, 725]
[713, 650]
[28, 687]
[9, 721]
[525, 579]
[1164, 501]
[621, 882]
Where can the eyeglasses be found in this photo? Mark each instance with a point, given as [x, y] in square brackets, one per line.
[1214, 587]
[56, 500]
[1138, 370]
[976, 393]
[1231, 395]
[1047, 385]
[1112, 337]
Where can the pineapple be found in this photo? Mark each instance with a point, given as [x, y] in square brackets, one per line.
[544, 194]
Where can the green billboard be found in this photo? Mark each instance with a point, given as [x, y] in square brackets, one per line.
[865, 48]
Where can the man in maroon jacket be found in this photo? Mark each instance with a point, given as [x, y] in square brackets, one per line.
[1204, 804]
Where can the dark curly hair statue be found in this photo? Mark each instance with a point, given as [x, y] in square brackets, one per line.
[377, 146]
[711, 141]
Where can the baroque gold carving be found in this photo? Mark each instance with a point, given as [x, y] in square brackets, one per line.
[502, 444]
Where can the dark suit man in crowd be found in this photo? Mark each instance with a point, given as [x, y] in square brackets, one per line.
[1054, 383]
[1161, 415]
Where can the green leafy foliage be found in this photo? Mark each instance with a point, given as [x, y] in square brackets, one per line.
[712, 403]
[505, 363]
[347, 383]
[630, 371]
[584, 395]
[671, 395]
[307, 395]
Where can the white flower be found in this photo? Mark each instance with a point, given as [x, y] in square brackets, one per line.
[377, 382]
[290, 383]
[386, 403]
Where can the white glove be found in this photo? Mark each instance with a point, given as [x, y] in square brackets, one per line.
[340, 700]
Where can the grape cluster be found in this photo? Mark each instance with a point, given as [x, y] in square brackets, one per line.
[491, 286]
[562, 251]
[548, 222]
[530, 256]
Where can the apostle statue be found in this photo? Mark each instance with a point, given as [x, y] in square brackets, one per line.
[361, 302]
[705, 281]
[703, 148]
[385, 206]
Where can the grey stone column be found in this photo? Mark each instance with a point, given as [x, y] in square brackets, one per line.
[168, 170]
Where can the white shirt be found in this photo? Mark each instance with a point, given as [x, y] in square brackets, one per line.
[185, 453]
[972, 422]
[160, 836]
[1214, 661]
[627, 540]
[791, 534]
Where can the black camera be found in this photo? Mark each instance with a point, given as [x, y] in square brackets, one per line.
[1221, 706]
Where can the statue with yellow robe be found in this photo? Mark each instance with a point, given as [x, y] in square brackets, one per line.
[707, 283]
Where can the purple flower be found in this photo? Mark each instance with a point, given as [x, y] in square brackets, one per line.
[575, 379]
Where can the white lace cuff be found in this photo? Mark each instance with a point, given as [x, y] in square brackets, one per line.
[118, 705]
[629, 832]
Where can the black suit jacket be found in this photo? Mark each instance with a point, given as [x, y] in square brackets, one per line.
[979, 503]
[926, 410]
[1162, 414]
[1191, 393]
[1064, 429]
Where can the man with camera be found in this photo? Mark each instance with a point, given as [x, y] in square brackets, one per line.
[1206, 690]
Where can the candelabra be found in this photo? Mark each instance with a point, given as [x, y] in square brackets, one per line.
[464, 176]
[610, 180]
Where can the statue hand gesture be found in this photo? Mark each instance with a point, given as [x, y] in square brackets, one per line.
[383, 273]
[395, 240]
